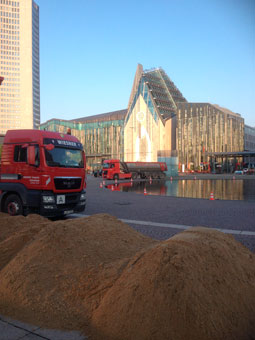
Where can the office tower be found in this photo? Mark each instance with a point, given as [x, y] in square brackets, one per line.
[19, 65]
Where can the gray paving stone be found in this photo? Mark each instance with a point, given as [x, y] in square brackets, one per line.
[60, 335]
[31, 336]
[19, 324]
[9, 332]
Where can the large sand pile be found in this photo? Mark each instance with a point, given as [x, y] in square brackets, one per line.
[98, 275]
[199, 284]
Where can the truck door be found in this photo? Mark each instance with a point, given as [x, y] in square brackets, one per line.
[27, 174]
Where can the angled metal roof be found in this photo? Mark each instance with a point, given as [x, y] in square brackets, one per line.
[159, 92]
[115, 115]
[223, 109]
[164, 93]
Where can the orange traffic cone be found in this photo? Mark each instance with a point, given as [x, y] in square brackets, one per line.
[211, 197]
[101, 185]
[145, 192]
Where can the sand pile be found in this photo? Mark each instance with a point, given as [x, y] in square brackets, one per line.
[199, 284]
[57, 272]
[98, 275]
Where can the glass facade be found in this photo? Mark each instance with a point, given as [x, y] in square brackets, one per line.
[249, 144]
[204, 128]
[249, 138]
[150, 124]
[101, 135]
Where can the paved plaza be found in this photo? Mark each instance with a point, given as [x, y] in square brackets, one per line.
[235, 217]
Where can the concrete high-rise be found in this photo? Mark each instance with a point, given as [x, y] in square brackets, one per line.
[19, 65]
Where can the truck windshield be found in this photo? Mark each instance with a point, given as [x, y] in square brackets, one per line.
[64, 157]
[106, 165]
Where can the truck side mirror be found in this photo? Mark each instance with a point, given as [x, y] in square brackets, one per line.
[49, 147]
[31, 155]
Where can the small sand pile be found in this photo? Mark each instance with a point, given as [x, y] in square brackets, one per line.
[98, 275]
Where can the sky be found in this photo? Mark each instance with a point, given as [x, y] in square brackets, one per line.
[89, 51]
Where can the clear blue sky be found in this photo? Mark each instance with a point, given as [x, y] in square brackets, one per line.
[89, 51]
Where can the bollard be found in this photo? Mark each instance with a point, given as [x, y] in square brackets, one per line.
[145, 192]
[103, 182]
[101, 185]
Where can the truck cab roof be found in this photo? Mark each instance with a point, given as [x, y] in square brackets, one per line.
[37, 136]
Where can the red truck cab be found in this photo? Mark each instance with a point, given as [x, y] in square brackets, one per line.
[42, 172]
[114, 169]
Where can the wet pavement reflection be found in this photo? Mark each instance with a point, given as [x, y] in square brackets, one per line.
[207, 189]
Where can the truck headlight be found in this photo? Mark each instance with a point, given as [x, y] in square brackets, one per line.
[48, 199]
[83, 197]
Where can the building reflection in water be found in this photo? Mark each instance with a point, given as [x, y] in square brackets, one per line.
[221, 189]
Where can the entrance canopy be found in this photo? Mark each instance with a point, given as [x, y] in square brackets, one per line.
[232, 154]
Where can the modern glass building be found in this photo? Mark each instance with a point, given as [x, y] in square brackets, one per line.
[249, 144]
[204, 128]
[249, 138]
[101, 135]
[19, 65]
[158, 125]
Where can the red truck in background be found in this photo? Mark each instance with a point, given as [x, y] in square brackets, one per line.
[42, 172]
[115, 169]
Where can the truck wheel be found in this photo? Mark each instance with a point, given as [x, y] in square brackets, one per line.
[13, 205]
[116, 177]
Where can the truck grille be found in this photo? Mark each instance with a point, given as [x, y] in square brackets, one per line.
[63, 183]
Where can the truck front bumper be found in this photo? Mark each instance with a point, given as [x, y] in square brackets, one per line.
[63, 204]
